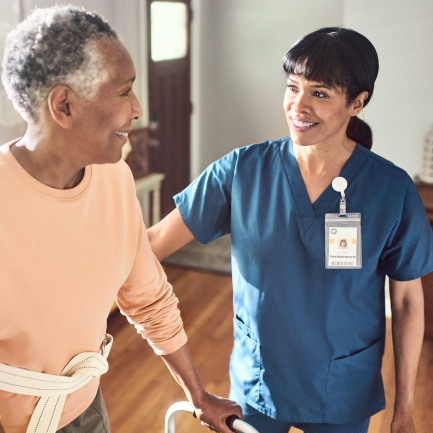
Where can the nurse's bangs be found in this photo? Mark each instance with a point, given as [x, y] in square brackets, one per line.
[320, 60]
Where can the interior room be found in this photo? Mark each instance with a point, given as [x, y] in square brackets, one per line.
[210, 80]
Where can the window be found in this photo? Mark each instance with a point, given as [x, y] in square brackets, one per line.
[168, 30]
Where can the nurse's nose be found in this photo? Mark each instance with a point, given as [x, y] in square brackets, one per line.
[300, 104]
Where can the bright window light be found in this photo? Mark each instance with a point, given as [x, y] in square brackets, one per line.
[168, 30]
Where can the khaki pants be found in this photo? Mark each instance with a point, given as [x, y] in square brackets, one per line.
[93, 420]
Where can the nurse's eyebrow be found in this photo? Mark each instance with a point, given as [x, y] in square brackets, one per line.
[316, 86]
[321, 85]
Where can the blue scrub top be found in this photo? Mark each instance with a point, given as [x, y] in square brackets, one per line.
[309, 341]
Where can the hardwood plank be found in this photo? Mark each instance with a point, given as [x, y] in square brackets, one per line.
[138, 388]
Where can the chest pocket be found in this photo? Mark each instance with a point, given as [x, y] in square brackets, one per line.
[245, 361]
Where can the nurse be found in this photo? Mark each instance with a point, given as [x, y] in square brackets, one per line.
[309, 318]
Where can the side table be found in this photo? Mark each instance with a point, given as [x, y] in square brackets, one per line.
[145, 186]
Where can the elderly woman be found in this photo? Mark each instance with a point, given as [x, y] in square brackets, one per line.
[64, 193]
[309, 323]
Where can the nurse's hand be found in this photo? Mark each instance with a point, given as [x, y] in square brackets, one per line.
[213, 411]
[402, 424]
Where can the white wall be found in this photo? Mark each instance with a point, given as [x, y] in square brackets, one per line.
[11, 124]
[241, 79]
[401, 110]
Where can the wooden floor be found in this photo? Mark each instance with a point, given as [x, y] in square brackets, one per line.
[138, 388]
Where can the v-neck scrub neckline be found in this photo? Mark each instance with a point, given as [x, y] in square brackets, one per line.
[311, 212]
[308, 341]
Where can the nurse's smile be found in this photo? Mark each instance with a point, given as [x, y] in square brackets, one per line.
[302, 125]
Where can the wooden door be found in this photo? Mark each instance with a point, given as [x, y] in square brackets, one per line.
[169, 95]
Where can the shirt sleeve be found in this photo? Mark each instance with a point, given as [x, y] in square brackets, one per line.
[205, 205]
[147, 299]
[408, 253]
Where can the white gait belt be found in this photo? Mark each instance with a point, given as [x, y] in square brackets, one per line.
[53, 389]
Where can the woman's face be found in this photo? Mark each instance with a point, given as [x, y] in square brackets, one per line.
[315, 112]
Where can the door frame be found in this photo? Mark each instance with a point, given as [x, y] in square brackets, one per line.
[195, 169]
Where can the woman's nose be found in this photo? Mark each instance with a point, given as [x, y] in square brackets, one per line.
[136, 110]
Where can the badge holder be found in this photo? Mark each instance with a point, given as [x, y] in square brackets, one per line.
[343, 234]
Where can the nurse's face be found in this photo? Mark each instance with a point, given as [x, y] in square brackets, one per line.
[317, 113]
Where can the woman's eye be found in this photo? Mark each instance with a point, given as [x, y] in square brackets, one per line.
[320, 94]
[292, 87]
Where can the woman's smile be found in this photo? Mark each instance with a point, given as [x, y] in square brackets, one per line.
[123, 135]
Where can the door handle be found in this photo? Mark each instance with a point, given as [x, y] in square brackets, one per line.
[154, 142]
[153, 125]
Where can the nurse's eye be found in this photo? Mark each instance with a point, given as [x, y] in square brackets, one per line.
[320, 95]
[292, 87]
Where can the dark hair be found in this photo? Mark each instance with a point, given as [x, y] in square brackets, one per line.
[338, 57]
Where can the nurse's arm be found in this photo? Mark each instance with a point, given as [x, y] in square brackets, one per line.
[169, 235]
[407, 303]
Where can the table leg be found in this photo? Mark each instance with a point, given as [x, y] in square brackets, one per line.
[156, 203]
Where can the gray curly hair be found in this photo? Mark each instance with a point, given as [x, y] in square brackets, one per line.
[56, 45]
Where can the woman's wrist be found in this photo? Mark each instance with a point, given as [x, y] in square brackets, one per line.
[198, 397]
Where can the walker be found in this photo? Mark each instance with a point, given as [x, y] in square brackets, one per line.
[233, 422]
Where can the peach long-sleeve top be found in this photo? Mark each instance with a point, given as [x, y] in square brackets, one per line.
[65, 256]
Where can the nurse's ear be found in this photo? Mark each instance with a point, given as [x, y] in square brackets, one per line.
[358, 104]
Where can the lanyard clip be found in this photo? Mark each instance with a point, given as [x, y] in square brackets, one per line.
[340, 184]
[343, 204]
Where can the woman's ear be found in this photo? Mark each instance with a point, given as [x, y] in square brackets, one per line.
[62, 104]
[358, 104]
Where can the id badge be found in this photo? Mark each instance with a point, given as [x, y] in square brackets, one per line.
[343, 241]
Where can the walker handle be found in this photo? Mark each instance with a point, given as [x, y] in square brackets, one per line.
[230, 420]
[233, 422]
[241, 425]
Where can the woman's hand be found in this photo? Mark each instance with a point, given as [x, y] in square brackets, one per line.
[402, 424]
[213, 411]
